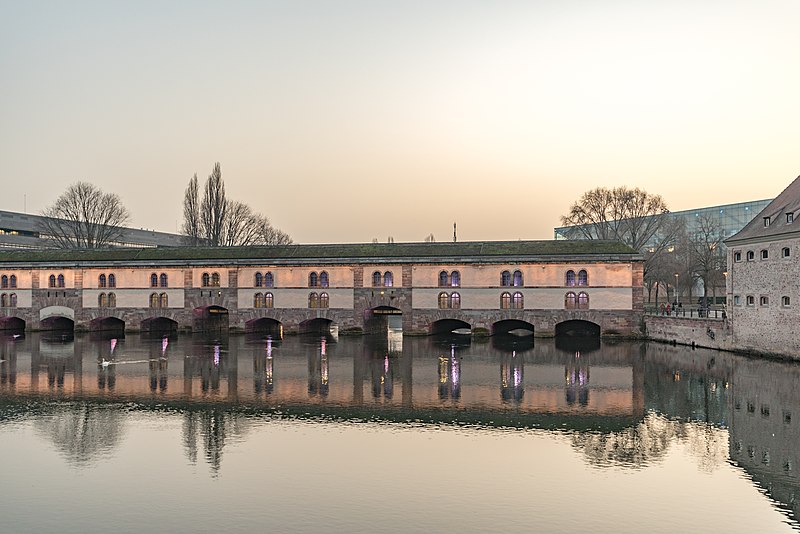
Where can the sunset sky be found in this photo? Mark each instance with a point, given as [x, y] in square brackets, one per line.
[345, 121]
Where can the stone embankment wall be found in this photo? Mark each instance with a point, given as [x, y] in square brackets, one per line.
[708, 333]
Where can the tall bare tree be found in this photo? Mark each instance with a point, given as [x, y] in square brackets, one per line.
[213, 208]
[192, 227]
[84, 217]
[708, 256]
[218, 221]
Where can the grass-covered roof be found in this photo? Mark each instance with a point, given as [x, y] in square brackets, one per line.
[357, 253]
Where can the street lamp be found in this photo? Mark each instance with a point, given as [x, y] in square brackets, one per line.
[677, 295]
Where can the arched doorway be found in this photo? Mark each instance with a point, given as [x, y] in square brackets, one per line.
[57, 323]
[12, 324]
[318, 325]
[108, 324]
[159, 325]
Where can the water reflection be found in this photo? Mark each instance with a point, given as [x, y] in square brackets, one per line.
[620, 404]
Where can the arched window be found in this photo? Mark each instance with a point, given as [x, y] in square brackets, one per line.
[443, 279]
[112, 300]
[13, 280]
[259, 280]
[51, 282]
[269, 300]
[518, 278]
[3, 301]
[60, 280]
[570, 278]
[102, 300]
[517, 301]
[101, 281]
[269, 280]
[455, 300]
[313, 280]
[162, 280]
[154, 280]
[4, 281]
[154, 300]
[388, 279]
[583, 278]
[323, 279]
[12, 300]
[455, 279]
[583, 301]
[443, 300]
[162, 300]
[505, 300]
[323, 300]
[258, 300]
[569, 301]
[505, 279]
[215, 279]
[206, 280]
[376, 279]
[112, 280]
[313, 300]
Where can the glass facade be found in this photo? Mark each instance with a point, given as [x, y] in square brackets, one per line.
[731, 218]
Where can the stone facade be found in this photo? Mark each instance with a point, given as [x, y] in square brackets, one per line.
[359, 294]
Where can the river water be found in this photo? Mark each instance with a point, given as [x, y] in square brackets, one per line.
[391, 434]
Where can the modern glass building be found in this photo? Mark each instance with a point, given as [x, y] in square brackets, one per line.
[731, 218]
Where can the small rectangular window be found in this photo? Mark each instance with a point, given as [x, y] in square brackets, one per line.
[737, 300]
[766, 222]
[751, 300]
[786, 301]
[787, 418]
[737, 256]
[764, 301]
[765, 410]
[789, 218]
[764, 254]
[786, 252]
[751, 407]
[751, 255]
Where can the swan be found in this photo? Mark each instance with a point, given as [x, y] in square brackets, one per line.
[105, 363]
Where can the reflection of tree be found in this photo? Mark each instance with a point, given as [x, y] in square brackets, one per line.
[649, 440]
[212, 428]
[83, 433]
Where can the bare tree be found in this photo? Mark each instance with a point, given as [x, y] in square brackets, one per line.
[84, 217]
[708, 257]
[191, 213]
[632, 216]
[217, 221]
[430, 238]
[213, 209]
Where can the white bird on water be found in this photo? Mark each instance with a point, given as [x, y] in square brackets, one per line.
[104, 363]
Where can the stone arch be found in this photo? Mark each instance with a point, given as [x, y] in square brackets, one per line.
[107, 324]
[450, 326]
[210, 319]
[57, 322]
[578, 328]
[12, 323]
[159, 325]
[377, 319]
[512, 326]
[318, 325]
[265, 326]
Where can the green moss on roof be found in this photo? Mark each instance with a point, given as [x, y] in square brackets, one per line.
[380, 251]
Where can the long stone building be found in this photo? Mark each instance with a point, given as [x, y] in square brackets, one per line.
[543, 287]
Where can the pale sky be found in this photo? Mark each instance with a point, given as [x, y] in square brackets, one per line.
[344, 121]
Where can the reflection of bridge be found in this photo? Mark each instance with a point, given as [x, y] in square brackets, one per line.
[524, 287]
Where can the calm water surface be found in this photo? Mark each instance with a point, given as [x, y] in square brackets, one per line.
[385, 434]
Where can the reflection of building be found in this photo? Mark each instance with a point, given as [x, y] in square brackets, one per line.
[763, 270]
[512, 376]
[450, 375]
[765, 428]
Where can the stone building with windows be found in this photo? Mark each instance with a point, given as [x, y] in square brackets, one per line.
[763, 293]
[541, 287]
